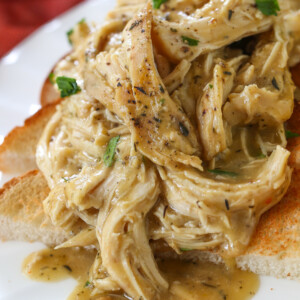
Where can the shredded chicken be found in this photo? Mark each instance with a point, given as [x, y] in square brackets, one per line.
[194, 96]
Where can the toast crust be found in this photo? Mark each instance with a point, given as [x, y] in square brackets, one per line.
[22, 215]
[275, 246]
[17, 152]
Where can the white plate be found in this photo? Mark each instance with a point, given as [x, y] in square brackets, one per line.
[22, 73]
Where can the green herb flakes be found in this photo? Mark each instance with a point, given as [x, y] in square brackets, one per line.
[162, 101]
[51, 78]
[223, 172]
[158, 3]
[67, 86]
[211, 86]
[289, 134]
[110, 151]
[185, 249]
[189, 41]
[87, 284]
[69, 33]
[268, 7]
[81, 21]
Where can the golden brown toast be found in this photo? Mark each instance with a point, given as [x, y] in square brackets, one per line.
[17, 152]
[275, 247]
[22, 215]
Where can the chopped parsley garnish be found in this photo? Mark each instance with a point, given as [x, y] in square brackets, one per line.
[289, 134]
[110, 151]
[51, 78]
[268, 7]
[87, 284]
[189, 41]
[69, 33]
[158, 3]
[211, 86]
[162, 101]
[81, 21]
[185, 249]
[67, 86]
[261, 156]
[222, 172]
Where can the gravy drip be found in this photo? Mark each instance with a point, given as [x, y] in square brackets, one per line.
[188, 279]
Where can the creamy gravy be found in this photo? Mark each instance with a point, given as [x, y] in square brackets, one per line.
[55, 265]
[207, 281]
[188, 280]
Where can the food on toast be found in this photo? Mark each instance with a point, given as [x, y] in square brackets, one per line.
[171, 129]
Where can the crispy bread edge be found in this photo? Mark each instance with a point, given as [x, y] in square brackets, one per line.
[17, 152]
[21, 211]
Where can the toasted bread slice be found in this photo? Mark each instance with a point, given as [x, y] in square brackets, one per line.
[275, 247]
[17, 152]
[21, 211]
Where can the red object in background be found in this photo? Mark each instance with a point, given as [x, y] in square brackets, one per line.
[19, 18]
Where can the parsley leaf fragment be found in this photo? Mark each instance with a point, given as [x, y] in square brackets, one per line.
[81, 21]
[110, 151]
[268, 7]
[51, 78]
[289, 134]
[190, 41]
[158, 3]
[222, 172]
[69, 33]
[67, 86]
[185, 249]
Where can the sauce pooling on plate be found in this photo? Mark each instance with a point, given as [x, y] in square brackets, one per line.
[188, 279]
